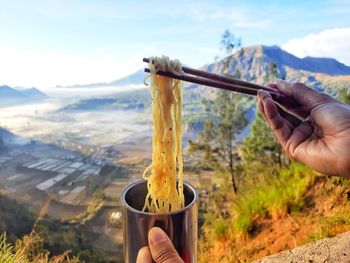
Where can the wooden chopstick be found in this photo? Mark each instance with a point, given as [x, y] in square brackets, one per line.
[225, 79]
[213, 83]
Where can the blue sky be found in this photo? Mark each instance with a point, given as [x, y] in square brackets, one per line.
[46, 43]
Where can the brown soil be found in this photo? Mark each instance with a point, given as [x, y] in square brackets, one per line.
[275, 235]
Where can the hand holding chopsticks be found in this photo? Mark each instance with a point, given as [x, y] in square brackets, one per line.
[217, 81]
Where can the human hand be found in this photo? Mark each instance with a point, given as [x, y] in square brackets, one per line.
[322, 140]
[160, 249]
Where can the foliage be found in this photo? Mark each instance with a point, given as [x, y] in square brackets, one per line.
[272, 73]
[95, 205]
[229, 42]
[58, 238]
[217, 141]
[225, 120]
[29, 249]
[7, 253]
[328, 224]
[344, 95]
[15, 218]
[274, 196]
[260, 150]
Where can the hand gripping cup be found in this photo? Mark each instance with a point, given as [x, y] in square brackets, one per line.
[180, 226]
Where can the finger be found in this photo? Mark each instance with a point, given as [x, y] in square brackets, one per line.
[296, 145]
[290, 104]
[162, 249]
[144, 256]
[260, 103]
[292, 121]
[305, 96]
[278, 124]
[272, 86]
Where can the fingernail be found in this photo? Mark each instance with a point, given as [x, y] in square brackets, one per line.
[157, 236]
[260, 94]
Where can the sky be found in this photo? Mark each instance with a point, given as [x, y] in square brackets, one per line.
[44, 43]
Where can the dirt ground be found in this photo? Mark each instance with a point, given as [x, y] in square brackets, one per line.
[330, 250]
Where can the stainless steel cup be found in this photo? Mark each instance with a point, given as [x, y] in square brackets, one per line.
[181, 225]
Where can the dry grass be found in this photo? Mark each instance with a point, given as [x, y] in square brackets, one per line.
[29, 248]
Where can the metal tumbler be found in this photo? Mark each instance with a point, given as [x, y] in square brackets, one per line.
[180, 226]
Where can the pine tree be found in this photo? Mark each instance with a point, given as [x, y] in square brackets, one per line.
[261, 148]
[225, 119]
[218, 138]
[344, 95]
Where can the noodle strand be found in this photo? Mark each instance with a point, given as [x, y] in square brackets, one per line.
[165, 183]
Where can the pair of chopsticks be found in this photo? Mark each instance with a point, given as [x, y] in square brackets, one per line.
[218, 81]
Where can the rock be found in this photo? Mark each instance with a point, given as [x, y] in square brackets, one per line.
[328, 250]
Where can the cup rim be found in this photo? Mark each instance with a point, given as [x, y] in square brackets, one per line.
[126, 205]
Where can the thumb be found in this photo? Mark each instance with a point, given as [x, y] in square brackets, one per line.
[162, 249]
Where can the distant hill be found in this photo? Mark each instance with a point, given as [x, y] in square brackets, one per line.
[135, 79]
[7, 92]
[127, 100]
[132, 79]
[10, 96]
[34, 94]
[8, 138]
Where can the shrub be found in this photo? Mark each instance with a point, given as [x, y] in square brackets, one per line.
[28, 250]
[274, 196]
[220, 227]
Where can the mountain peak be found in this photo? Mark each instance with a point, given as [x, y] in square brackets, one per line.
[266, 54]
[12, 95]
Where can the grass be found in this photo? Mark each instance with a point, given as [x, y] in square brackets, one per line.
[7, 253]
[329, 226]
[220, 227]
[28, 250]
[273, 197]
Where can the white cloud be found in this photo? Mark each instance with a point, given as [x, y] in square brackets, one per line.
[47, 69]
[238, 17]
[328, 43]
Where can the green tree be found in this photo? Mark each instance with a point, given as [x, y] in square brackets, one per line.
[272, 73]
[344, 95]
[229, 43]
[225, 119]
[261, 147]
[218, 139]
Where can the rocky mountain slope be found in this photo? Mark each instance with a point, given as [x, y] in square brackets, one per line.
[252, 64]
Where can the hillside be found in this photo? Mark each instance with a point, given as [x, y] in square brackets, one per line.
[10, 96]
[8, 138]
